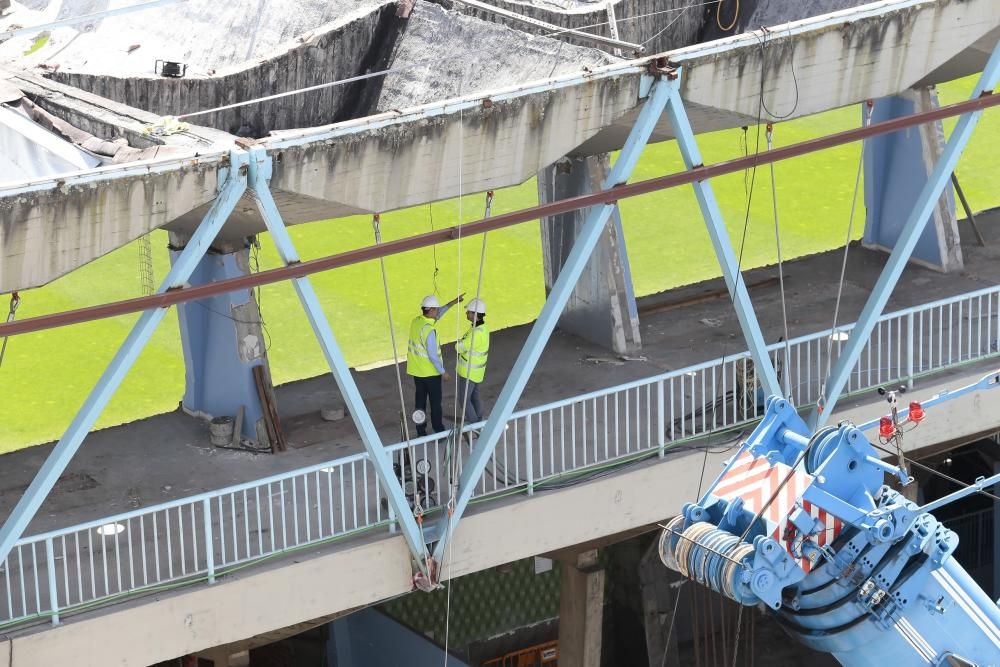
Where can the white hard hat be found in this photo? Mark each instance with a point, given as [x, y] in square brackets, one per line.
[430, 302]
[477, 306]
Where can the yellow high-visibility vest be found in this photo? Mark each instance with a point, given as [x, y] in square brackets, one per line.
[473, 352]
[418, 360]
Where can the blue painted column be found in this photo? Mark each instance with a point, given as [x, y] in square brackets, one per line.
[897, 167]
[223, 339]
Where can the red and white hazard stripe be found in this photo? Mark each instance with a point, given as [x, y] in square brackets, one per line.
[756, 481]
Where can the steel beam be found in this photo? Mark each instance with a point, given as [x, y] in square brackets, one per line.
[731, 270]
[446, 234]
[233, 187]
[908, 238]
[590, 232]
[260, 174]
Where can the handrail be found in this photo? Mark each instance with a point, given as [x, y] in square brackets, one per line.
[598, 393]
[204, 534]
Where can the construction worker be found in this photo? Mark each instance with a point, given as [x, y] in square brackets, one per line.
[473, 351]
[423, 360]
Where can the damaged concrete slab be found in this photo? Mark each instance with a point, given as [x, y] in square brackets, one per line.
[488, 139]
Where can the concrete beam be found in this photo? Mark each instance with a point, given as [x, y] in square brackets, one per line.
[412, 156]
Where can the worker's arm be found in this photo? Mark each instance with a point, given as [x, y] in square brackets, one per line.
[432, 352]
[444, 309]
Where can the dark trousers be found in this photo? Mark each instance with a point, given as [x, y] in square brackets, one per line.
[429, 388]
[469, 390]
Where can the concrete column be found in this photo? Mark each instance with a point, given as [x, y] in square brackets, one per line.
[996, 540]
[223, 340]
[897, 167]
[602, 308]
[224, 656]
[659, 600]
[581, 611]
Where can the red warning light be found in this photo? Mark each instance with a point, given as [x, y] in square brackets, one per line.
[916, 414]
[886, 429]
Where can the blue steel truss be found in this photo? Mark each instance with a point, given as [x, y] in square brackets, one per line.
[663, 95]
[251, 171]
[233, 183]
[908, 238]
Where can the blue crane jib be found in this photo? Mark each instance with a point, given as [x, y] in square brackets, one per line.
[803, 523]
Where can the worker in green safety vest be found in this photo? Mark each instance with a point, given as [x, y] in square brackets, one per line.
[423, 361]
[473, 351]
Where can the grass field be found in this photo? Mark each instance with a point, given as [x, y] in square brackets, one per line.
[47, 375]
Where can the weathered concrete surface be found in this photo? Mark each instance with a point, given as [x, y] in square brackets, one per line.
[395, 160]
[847, 58]
[341, 49]
[752, 14]
[658, 25]
[53, 226]
[203, 34]
[445, 54]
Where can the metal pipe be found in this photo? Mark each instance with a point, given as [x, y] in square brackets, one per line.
[614, 194]
[968, 210]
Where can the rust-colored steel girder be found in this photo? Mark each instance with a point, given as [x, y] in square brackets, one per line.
[301, 269]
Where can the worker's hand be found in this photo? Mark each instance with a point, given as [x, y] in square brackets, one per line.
[460, 298]
[446, 376]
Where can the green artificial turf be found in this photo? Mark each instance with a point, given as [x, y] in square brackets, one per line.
[46, 376]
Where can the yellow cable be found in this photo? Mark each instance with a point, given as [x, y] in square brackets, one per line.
[718, 16]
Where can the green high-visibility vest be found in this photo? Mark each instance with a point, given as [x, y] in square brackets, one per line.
[418, 360]
[473, 352]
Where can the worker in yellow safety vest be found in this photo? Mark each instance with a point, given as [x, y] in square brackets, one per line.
[473, 351]
[423, 361]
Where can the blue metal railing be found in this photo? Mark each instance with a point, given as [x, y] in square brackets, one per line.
[200, 537]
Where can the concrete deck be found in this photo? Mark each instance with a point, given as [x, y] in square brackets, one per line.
[169, 456]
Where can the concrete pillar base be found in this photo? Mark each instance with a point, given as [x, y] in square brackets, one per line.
[659, 601]
[897, 167]
[223, 340]
[581, 611]
[602, 308]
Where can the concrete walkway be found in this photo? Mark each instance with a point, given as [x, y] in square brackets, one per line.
[169, 456]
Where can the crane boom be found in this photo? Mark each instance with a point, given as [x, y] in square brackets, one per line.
[803, 524]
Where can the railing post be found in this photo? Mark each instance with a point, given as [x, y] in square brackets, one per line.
[392, 519]
[50, 565]
[529, 455]
[909, 350]
[661, 428]
[209, 545]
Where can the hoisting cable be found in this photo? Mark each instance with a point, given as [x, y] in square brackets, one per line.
[953, 480]
[15, 301]
[479, 290]
[453, 447]
[418, 511]
[736, 644]
[821, 401]
[434, 251]
[781, 272]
